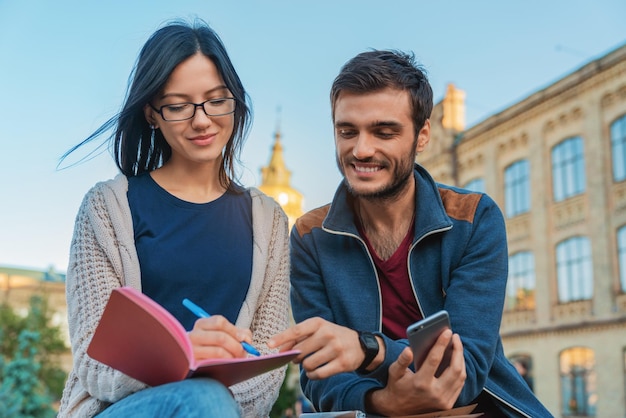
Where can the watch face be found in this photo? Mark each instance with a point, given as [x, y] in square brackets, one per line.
[368, 341]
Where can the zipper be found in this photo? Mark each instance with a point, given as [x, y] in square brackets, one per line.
[380, 296]
[408, 263]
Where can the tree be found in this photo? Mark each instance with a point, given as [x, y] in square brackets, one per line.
[21, 393]
[30, 375]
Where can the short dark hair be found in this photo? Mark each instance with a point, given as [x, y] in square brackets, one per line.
[136, 148]
[379, 69]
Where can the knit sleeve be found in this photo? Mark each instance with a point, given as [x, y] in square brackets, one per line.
[257, 395]
[91, 277]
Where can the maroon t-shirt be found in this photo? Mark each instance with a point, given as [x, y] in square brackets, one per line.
[399, 305]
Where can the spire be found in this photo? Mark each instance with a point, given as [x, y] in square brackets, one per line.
[276, 172]
[276, 178]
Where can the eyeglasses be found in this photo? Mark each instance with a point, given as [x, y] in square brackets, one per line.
[183, 111]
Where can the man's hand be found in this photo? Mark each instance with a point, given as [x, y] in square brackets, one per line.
[327, 348]
[410, 393]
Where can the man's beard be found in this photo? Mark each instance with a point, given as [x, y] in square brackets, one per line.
[402, 174]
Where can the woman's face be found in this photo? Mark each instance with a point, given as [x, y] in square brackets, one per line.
[201, 139]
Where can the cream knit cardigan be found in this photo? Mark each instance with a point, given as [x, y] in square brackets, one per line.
[103, 257]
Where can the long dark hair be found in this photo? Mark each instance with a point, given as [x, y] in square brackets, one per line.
[136, 148]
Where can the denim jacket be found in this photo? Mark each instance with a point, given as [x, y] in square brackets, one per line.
[458, 261]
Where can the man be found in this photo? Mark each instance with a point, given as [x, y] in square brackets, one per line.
[394, 247]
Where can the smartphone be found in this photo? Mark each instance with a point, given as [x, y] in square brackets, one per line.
[422, 336]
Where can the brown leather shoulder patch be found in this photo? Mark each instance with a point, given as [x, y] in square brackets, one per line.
[461, 206]
[312, 219]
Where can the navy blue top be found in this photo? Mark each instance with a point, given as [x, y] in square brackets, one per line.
[200, 251]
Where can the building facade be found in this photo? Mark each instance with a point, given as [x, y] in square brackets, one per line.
[555, 163]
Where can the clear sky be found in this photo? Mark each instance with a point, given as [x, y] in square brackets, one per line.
[64, 67]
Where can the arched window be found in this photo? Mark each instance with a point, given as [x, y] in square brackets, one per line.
[568, 169]
[578, 382]
[621, 254]
[520, 286]
[618, 148]
[574, 269]
[476, 185]
[517, 188]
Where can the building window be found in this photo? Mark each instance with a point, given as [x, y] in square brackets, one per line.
[618, 145]
[578, 382]
[524, 365]
[476, 185]
[568, 168]
[621, 254]
[516, 189]
[520, 286]
[574, 269]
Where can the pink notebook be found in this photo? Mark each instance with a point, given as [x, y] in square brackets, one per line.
[140, 338]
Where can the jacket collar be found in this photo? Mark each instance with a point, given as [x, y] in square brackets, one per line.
[430, 212]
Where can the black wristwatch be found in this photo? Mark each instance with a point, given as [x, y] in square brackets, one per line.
[369, 344]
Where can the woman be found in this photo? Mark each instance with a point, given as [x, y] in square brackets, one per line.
[175, 224]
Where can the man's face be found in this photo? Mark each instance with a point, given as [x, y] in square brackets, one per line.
[375, 142]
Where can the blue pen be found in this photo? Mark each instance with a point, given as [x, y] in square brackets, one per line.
[201, 313]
